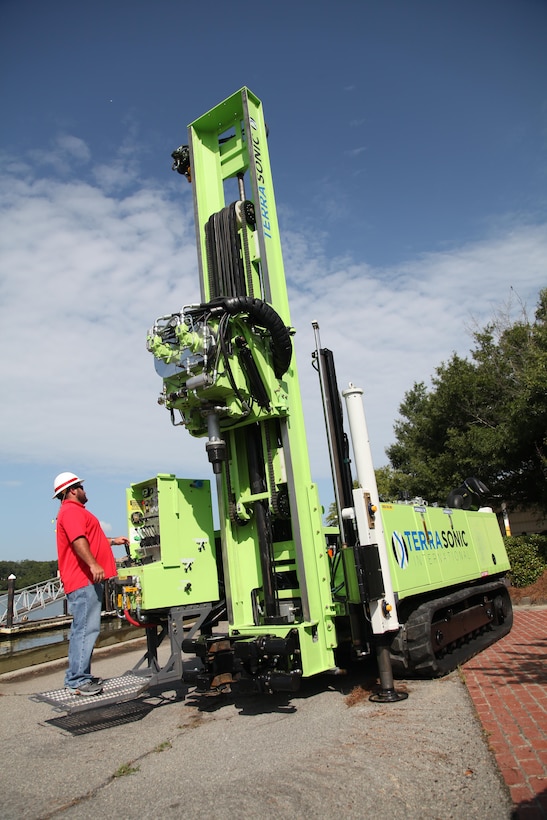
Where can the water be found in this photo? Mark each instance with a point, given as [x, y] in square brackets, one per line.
[50, 611]
[17, 643]
[10, 644]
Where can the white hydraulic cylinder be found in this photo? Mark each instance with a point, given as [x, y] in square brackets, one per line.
[367, 504]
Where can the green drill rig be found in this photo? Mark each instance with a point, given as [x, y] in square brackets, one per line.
[421, 588]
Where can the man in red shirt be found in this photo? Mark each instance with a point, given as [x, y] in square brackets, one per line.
[85, 561]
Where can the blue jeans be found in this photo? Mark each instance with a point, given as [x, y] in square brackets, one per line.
[85, 607]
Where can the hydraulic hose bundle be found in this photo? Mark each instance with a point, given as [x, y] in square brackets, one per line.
[263, 315]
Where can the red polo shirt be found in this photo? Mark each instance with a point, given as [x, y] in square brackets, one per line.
[74, 521]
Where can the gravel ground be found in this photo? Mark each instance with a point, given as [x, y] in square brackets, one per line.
[326, 752]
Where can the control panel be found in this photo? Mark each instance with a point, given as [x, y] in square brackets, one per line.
[171, 544]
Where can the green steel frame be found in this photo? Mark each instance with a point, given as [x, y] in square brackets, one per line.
[276, 566]
[228, 371]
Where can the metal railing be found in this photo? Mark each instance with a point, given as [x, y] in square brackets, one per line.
[17, 603]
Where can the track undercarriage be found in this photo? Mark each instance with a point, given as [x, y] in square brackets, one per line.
[439, 635]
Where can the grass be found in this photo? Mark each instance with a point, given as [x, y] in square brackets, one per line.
[126, 768]
[161, 747]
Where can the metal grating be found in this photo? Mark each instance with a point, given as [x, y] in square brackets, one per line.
[98, 719]
[115, 690]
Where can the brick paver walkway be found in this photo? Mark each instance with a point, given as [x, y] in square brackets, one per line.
[508, 685]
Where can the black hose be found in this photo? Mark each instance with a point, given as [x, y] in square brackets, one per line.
[261, 313]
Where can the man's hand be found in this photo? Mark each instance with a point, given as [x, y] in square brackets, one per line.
[120, 539]
[97, 572]
[81, 548]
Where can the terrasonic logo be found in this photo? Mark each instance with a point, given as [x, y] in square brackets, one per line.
[257, 153]
[404, 544]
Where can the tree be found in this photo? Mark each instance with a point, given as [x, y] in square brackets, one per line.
[26, 572]
[391, 484]
[485, 416]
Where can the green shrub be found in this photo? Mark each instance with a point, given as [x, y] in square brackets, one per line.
[528, 558]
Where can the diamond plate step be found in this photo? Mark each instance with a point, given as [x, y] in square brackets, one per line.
[115, 690]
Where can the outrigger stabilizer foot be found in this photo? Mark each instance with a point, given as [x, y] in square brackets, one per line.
[387, 693]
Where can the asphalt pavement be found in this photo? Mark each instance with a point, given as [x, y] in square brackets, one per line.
[326, 752]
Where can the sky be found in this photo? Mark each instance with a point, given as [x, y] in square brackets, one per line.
[407, 140]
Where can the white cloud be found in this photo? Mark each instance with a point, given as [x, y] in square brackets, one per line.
[354, 152]
[85, 272]
[75, 147]
[389, 328]
[84, 276]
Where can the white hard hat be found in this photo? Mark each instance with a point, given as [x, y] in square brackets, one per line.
[63, 481]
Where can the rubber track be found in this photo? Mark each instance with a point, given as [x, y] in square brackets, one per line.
[412, 653]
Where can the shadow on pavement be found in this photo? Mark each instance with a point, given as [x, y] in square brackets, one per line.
[534, 809]
[363, 681]
[118, 714]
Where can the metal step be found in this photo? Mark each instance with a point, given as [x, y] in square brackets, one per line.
[115, 690]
